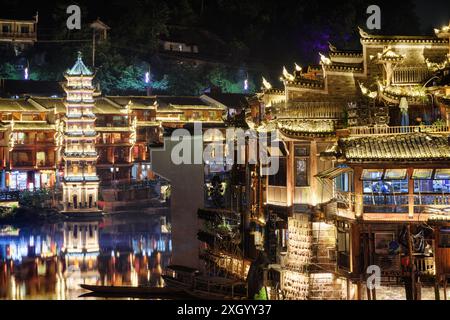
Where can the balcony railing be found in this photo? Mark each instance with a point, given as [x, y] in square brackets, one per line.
[425, 265]
[18, 35]
[112, 124]
[312, 110]
[114, 141]
[349, 203]
[385, 203]
[386, 130]
[45, 164]
[410, 75]
[16, 164]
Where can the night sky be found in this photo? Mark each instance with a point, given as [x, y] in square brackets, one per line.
[432, 13]
[248, 37]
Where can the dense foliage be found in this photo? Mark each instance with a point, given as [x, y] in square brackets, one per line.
[258, 37]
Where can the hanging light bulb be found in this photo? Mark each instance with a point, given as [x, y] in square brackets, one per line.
[26, 73]
[245, 84]
[147, 77]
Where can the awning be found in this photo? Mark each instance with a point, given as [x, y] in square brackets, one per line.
[332, 173]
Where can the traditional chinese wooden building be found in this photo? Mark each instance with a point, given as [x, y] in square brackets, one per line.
[364, 176]
[85, 140]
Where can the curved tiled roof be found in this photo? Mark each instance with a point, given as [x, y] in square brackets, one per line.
[346, 67]
[307, 83]
[19, 105]
[79, 68]
[401, 147]
[371, 38]
[344, 53]
[302, 128]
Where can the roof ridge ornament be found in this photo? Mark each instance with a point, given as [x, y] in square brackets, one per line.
[266, 84]
[324, 59]
[332, 47]
[287, 75]
[363, 33]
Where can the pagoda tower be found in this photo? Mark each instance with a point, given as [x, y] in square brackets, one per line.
[80, 183]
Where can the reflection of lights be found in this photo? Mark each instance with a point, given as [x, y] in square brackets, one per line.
[13, 288]
[39, 244]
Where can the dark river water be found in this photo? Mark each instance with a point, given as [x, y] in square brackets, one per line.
[50, 261]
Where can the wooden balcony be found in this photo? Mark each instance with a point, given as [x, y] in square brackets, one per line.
[45, 164]
[425, 265]
[312, 110]
[410, 75]
[385, 207]
[391, 265]
[18, 36]
[386, 130]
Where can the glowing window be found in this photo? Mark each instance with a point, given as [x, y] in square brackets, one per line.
[372, 174]
[442, 174]
[422, 174]
[395, 174]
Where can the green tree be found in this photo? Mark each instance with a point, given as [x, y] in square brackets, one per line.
[8, 71]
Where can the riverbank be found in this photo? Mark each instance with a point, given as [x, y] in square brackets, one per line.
[18, 216]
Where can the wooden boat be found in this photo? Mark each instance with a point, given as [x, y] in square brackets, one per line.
[180, 277]
[128, 290]
[203, 287]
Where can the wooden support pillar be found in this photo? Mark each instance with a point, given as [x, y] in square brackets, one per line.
[411, 263]
[369, 293]
[445, 288]
[410, 194]
[290, 176]
[359, 290]
[418, 290]
[436, 289]
[370, 246]
[358, 185]
[314, 197]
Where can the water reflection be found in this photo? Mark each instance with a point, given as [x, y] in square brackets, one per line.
[50, 261]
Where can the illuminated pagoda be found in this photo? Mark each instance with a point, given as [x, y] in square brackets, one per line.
[80, 184]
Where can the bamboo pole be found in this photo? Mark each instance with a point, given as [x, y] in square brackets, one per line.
[411, 263]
